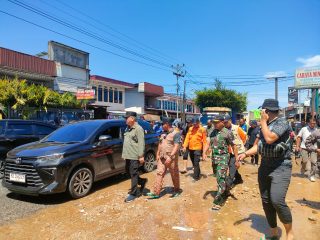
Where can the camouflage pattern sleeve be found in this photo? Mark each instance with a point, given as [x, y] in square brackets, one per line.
[311, 140]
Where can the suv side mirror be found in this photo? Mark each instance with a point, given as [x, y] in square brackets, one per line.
[104, 138]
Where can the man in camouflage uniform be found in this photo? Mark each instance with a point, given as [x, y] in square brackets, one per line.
[313, 145]
[220, 141]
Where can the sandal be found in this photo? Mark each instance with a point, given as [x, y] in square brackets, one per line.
[216, 207]
[152, 195]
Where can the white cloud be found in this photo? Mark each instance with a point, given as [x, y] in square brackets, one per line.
[310, 62]
[275, 74]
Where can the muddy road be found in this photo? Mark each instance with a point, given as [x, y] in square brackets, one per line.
[104, 215]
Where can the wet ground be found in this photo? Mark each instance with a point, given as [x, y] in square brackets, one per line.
[104, 215]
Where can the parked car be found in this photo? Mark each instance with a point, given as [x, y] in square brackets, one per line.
[14, 133]
[72, 158]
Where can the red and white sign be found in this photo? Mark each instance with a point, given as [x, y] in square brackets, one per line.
[307, 78]
[85, 94]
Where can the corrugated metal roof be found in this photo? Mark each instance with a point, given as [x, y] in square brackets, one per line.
[26, 63]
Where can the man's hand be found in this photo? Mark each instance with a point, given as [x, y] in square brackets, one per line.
[141, 160]
[318, 151]
[237, 164]
[204, 157]
[168, 161]
[184, 149]
[241, 157]
[264, 116]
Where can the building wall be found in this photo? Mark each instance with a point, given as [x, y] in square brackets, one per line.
[134, 98]
[70, 78]
[109, 95]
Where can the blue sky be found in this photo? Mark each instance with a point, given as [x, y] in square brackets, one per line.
[238, 41]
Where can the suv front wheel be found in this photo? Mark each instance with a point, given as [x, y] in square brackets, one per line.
[80, 182]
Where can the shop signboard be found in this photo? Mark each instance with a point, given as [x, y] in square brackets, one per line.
[307, 78]
[85, 94]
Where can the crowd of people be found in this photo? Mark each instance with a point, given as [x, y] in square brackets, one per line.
[227, 145]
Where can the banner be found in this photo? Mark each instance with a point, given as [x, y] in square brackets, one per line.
[292, 96]
[85, 94]
[307, 78]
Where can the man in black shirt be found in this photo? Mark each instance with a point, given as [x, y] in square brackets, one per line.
[252, 134]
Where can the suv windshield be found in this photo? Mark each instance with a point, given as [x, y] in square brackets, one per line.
[73, 133]
[2, 127]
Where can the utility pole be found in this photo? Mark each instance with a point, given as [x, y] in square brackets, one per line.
[178, 71]
[183, 115]
[276, 80]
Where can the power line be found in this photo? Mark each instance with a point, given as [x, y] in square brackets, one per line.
[116, 31]
[98, 28]
[94, 36]
[80, 41]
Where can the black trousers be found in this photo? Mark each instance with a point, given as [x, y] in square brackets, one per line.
[234, 175]
[195, 159]
[132, 169]
[273, 184]
[254, 158]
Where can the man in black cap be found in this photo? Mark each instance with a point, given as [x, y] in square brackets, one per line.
[133, 153]
[274, 173]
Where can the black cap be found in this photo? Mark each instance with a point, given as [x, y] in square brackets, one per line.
[165, 121]
[219, 118]
[131, 114]
[254, 122]
[270, 104]
[227, 117]
[195, 120]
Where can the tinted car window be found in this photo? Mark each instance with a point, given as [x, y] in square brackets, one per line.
[74, 133]
[43, 130]
[19, 129]
[2, 127]
[114, 132]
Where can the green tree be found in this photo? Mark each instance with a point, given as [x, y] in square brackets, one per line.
[219, 96]
[27, 98]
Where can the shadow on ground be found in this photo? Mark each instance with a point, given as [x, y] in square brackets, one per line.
[309, 203]
[60, 198]
[258, 222]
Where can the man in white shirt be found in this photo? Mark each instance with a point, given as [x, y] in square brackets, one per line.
[309, 159]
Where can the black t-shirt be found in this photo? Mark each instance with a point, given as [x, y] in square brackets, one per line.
[253, 135]
[281, 128]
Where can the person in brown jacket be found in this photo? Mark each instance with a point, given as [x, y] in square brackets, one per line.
[167, 158]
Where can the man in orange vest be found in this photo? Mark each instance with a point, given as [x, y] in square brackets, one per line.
[195, 141]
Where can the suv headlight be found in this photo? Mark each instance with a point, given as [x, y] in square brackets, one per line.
[52, 157]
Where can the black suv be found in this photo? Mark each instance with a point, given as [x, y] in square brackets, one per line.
[14, 133]
[72, 158]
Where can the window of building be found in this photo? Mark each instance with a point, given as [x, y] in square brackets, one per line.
[165, 105]
[95, 90]
[175, 106]
[100, 93]
[158, 104]
[111, 95]
[120, 97]
[116, 95]
[105, 94]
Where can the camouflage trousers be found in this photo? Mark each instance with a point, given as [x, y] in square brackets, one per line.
[161, 172]
[221, 165]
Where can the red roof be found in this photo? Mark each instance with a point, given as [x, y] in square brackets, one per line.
[26, 63]
[110, 80]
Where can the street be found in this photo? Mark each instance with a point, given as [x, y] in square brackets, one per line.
[104, 215]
